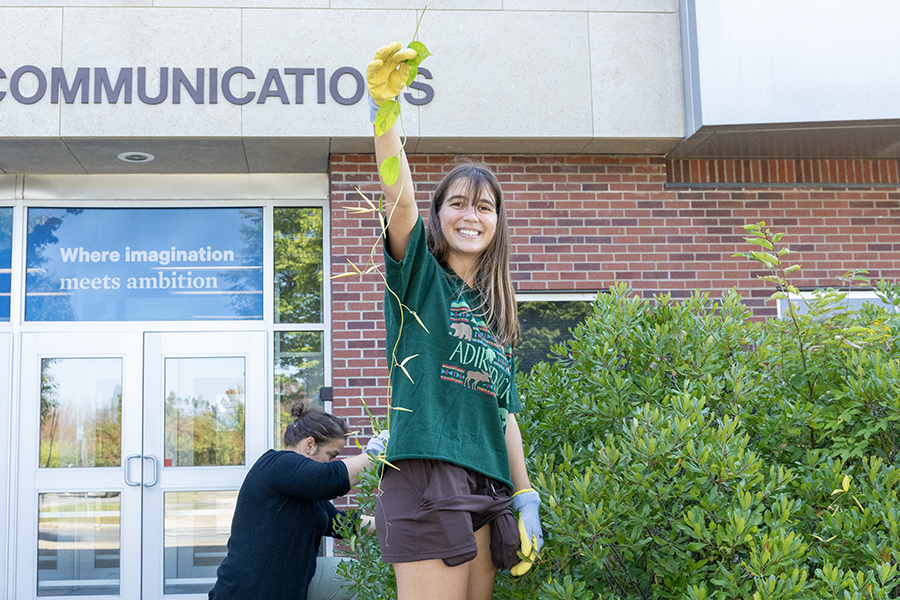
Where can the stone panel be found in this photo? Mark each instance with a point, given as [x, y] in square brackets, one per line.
[28, 36]
[508, 74]
[636, 75]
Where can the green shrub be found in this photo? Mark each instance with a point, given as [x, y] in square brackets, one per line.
[685, 450]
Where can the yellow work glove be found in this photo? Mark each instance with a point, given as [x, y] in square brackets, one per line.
[387, 73]
[531, 537]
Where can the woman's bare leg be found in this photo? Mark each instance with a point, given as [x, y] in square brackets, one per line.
[433, 580]
[482, 571]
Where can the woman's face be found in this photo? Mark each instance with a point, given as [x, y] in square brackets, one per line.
[322, 453]
[468, 223]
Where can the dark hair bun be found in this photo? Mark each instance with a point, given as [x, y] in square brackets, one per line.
[301, 408]
[311, 421]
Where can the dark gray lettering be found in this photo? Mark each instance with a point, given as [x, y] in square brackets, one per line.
[422, 87]
[299, 74]
[226, 85]
[102, 82]
[320, 86]
[360, 86]
[163, 86]
[17, 76]
[273, 77]
[58, 82]
[214, 85]
[180, 80]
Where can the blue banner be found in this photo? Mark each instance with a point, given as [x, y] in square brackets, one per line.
[144, 264]
[6, 220]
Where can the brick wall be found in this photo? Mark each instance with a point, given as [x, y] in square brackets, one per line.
[579, 223]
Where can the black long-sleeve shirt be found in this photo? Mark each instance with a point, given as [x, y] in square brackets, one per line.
[282, 512]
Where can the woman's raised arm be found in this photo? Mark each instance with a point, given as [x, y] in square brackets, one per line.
[385, 76]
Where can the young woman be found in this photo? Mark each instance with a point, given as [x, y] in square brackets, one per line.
[284, 509]
[444, 516]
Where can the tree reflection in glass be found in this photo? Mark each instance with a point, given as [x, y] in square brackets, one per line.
[81, 412]
[299, 373]
[298, 258]
[205, 411]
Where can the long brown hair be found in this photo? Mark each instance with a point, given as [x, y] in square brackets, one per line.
[492, 281]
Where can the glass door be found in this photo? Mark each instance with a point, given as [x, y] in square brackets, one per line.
[132, 449]
[79, 467]
[205, 415]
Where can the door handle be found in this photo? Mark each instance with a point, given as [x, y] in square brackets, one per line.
[155, 468]
[128, 464]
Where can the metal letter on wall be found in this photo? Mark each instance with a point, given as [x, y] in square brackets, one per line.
[144, 264]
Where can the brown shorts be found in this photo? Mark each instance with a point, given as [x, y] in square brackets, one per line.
[431, 509]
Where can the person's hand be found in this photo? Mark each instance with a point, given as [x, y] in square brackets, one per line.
[378, 443]
[387, 73]
[528, 503]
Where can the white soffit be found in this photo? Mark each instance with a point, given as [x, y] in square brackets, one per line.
[307, 186]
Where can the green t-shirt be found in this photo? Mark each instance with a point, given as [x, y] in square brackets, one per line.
[461, 384]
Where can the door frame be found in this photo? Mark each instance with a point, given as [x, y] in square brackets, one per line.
[143, 353]
[158, 346]
[31, 480]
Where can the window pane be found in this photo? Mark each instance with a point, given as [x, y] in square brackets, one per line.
[81, 412]
[298, 265]
[299, 373]
[6, 220]
[854, 300]
[78, 544]
[204, 411]
[545, 324]
[197, 525]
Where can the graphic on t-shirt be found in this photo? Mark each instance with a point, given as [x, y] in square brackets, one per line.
[461, 330]
[477, 362]
[477, 377]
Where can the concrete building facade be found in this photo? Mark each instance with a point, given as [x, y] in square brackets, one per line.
[179, 182]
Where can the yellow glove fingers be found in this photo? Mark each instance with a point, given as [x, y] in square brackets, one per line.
[521, 568]
[404, 55]
[527, 545]
[385, 51]
[373, 69]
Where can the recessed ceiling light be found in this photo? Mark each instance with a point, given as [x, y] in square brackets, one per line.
[136, 157]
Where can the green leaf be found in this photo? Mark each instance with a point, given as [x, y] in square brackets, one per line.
[413, 71]
[764, 258]
[421, 51]
[390, 170]
[761, 242]
[387, 114]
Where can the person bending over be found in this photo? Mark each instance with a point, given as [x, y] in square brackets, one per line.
[284, 509]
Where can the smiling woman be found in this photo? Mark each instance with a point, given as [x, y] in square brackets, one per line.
[454, 436]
